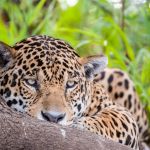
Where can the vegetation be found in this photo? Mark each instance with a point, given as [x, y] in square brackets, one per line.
[91, 27]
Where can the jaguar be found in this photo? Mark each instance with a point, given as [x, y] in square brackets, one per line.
[121, 90]
[45, 78]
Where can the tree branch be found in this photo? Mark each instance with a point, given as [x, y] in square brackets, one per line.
[19, 131]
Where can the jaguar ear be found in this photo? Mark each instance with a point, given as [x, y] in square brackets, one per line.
[6, 55]
[93, 65]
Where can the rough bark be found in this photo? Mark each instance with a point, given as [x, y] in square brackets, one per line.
[18, 132]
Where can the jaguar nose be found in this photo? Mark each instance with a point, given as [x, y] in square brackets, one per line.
[53, 116]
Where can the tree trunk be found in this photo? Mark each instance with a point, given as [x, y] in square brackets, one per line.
[18, 132]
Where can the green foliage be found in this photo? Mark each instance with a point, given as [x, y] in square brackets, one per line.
[92, 27]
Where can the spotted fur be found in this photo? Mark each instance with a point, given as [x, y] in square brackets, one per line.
[122, 91]
[45, 78]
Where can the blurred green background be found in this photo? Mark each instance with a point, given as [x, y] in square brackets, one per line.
[118, 28]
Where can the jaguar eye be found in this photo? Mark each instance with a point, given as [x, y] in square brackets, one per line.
[32, 82]
[71, 84]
